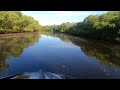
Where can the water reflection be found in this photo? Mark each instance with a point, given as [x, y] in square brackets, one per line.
[108, 54]
[13, 46]
[69, 55]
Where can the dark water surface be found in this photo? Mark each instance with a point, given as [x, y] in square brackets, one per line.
[59, 53]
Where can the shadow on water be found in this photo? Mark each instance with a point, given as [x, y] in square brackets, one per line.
[14, 45]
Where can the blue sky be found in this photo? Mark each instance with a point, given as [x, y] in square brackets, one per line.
[58, 17]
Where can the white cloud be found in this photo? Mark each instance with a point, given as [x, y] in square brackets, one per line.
[27, 12]
[69, 14]
[48, 21]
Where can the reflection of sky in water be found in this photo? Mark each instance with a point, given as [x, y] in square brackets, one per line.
[63, 45]
[57, 56]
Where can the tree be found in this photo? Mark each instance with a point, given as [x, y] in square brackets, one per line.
[101, 27]
[15, 21]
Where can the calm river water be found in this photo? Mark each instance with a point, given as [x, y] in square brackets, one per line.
[71, 56]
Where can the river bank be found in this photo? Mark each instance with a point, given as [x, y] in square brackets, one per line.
[14, 34]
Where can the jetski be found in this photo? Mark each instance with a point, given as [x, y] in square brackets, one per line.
[36, 75]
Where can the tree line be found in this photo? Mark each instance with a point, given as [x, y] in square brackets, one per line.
[101, 27]
[15, 21]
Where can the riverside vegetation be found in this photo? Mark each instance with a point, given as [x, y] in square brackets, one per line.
[101, 27]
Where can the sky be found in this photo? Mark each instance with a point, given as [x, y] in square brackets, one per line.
[58, 17]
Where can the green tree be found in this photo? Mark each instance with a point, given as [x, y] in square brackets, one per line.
[15, 21]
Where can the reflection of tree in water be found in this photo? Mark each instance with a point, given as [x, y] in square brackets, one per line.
[107, 54]
[14, 45]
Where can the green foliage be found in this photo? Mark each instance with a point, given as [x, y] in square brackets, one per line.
[119, 32]
[100, 27]
[59, 28]
[15, 21]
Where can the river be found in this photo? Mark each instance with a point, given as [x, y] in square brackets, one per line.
[68, 55]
